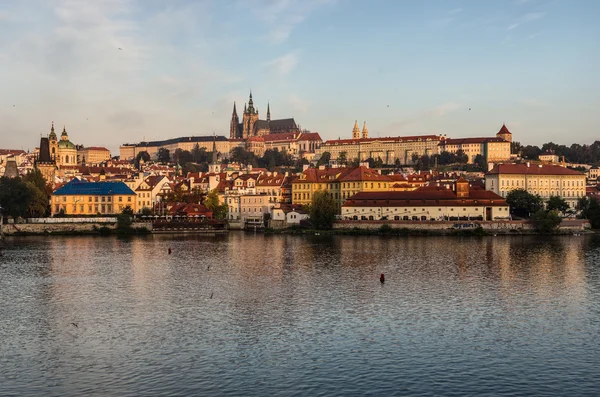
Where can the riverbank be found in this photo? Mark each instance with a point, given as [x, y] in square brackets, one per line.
[430, 228]
[73, 229]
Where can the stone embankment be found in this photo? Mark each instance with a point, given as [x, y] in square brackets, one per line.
[33, 229]
[567, 226]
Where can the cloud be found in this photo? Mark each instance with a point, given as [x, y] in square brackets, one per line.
[532, 16]
[283, 16]
[283, 65]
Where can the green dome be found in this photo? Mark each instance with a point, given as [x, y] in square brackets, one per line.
[66, 145]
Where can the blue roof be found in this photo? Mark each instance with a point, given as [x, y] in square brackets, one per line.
[80, 188]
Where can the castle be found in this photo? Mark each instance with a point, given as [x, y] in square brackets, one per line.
[251, 125]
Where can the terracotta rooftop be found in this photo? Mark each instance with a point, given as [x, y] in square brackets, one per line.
[532, 169]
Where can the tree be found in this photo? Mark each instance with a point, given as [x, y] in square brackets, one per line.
[557, 203]
[164, 155]
[141, 156]
[39, 205]
[343, 158]
[480, 162]
[322, 210]
[324, 160]
[545, 221]
[211, 201]
[522, 203]
[590, 209]
[461, 157]
[127, 210]
[15, 197]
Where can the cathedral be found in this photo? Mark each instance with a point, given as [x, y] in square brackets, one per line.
[251, 125]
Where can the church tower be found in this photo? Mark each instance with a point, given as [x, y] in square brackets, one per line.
[365, 131]
[268, 112]
[53, 143]
[234, 125]
[504, 133]
[355, 131]
[250, 118]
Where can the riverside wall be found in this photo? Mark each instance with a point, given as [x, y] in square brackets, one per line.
[21, 229]
[496, 226]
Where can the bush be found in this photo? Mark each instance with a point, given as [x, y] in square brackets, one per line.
[385, 229]
[545, 222]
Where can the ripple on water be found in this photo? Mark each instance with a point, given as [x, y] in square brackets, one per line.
[261, 315]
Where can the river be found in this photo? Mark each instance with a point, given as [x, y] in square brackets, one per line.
[255, 315]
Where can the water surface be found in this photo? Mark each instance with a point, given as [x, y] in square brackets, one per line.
[254, 315]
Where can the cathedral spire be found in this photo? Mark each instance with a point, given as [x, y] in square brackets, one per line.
[268, 111]
[234, 111]
[365, 131]
[250, 103]
[355, 130]
[244, 107]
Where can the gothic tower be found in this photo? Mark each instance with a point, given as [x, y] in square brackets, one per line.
[355, 130]
[234, 125]
[250, 118]
[365, 131]
[268, 111]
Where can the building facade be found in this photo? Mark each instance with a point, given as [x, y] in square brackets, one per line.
[544, 180]
[390, 150]
[92, 198]
[430, 203]
[493, 149]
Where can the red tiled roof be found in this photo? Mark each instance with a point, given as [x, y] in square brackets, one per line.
[96, 148]
[524, 169]
[424, 196]
[15, 152]
[384, 139]
[504, 130]
[464, 141]
[363, 174]
[310, 136]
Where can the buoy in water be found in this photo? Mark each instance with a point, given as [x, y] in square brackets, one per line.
[169, 250]
[382, 278]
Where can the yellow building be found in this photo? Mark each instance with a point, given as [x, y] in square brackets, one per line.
[492, 149]
[340, 183]
[92, 198]
[389, 149]
[544, 180]
[93, 155]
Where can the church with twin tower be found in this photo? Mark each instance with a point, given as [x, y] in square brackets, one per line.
[251, 125]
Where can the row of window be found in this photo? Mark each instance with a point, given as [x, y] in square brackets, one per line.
[91, 199]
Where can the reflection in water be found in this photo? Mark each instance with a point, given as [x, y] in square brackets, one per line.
[249, 314]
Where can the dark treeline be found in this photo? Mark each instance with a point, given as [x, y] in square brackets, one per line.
[26, 196]
[576, 153]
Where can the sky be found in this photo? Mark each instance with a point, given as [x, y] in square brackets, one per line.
[123, 71]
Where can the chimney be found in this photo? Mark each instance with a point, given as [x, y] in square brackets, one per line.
[528, 164]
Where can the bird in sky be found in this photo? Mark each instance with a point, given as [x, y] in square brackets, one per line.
[75, 325]
[120, 49]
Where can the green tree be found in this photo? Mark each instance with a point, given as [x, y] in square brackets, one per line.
[40, 194]
[480, 162]
[545, 221]
[39, 205]
[15, 197]
[461, 157]
[322, 210]
[164, 156]
[146, 211]
[343, 158]
[522, 203]
[141, 156]
[324, 159]
[128, 210]
[211, 201]
[590, 209]
[557, 203]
